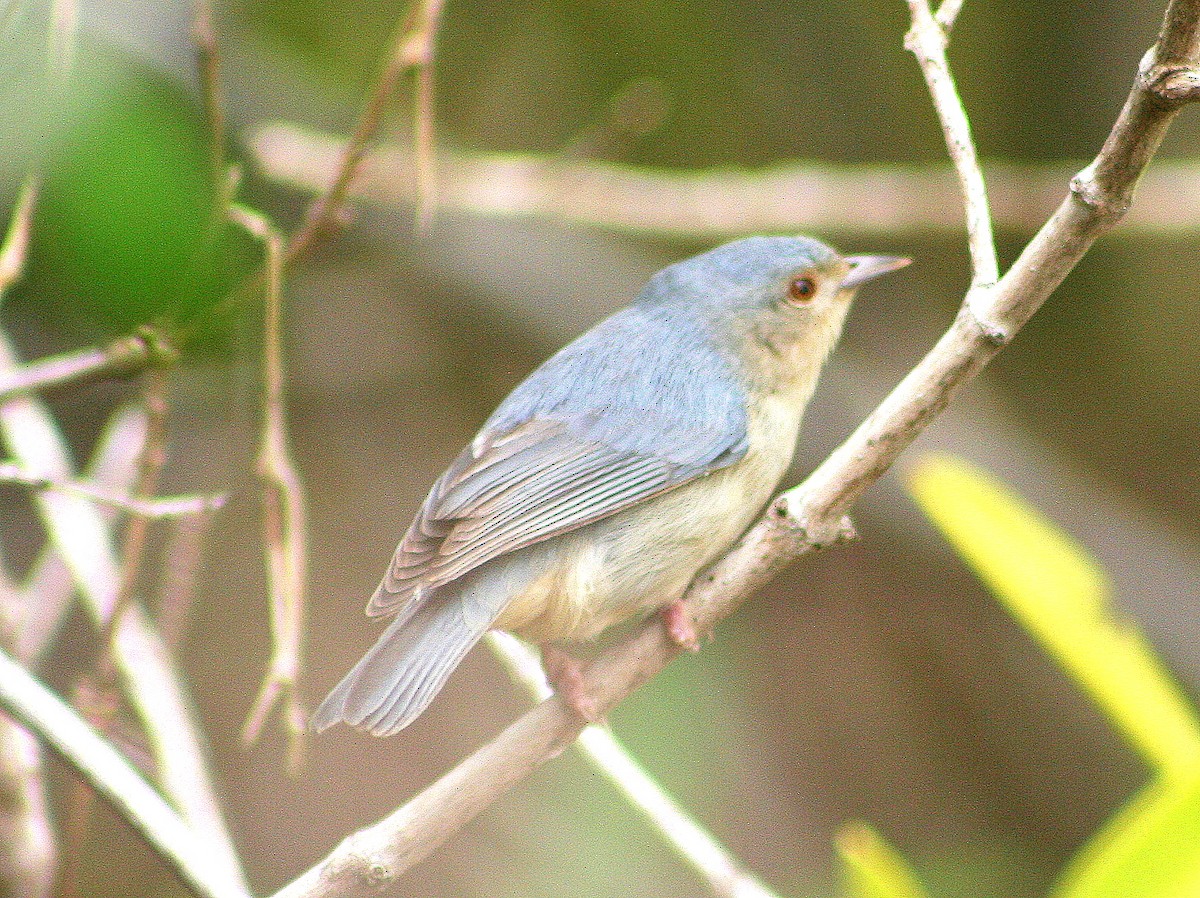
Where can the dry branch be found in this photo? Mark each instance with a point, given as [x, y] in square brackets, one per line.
[712, 204]
[285, 534]
[725, 875]
[81, 536]
[46, 714]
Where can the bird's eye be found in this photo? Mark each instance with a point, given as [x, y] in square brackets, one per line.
[802, 289]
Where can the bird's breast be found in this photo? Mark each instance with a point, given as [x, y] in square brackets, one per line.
[645, 556]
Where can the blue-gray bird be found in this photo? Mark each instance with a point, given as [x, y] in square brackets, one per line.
[618, 470]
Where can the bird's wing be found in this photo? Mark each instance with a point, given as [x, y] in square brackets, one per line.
[552, 458]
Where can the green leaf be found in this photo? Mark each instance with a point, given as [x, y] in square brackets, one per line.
[1151, 849]
[1061, 596]
[871, 868]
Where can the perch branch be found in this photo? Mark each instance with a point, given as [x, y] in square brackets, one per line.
[725, 876]
[801, 520]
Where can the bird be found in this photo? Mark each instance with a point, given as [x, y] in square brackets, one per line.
[624, 465]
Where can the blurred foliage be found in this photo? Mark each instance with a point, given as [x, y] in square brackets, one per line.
[871, 868]
[129, 228]
[128, 206]
[1152, 848]
[1059, 594]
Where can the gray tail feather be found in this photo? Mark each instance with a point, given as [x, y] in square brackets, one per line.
[397, 679]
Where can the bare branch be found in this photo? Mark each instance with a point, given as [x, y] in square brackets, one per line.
[81, 536]
[27, 850]
[160, 507]
[947, 14]
[16, 239]
[719, 203]
[801, 520]
[208, 62]
[725, 876]
[413, 46]
[149, 467]
[47, 591]
[418, 50]
[283, 513]
[148, 346]
[927, 41]
[46, 714]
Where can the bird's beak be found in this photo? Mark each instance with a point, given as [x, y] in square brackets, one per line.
[865, 268]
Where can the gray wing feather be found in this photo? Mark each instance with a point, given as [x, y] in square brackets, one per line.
[556, 456]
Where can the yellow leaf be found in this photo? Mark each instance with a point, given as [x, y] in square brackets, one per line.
[1057, 592]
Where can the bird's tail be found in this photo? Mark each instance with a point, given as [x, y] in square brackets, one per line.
[397, 679]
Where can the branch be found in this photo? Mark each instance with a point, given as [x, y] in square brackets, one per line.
[148, 346]
[111, 775]
[27, 849]
[412, 47]
[927, 41]
[708, 857]
[47, 590]
[283, 513]
[801, 520]
[81, 536]
[158, 507]
[16, 239]
[717, 203]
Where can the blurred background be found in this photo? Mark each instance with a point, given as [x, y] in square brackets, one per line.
[875, 682]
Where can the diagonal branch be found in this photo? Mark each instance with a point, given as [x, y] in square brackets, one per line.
[805, 518]
[412, 48]
[46, 714]
[724, 874]
[81, 536]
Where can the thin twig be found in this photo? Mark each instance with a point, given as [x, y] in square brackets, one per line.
[155, 385]
[208, 63]
[801, 520]
[412, 47]
[713, 204]
[725, 876]
[159, 507]
[47, 591]
[16, 239]
[947, 14]
[283, 514]
[81, 536]
[419, 50]
[28, 850]
[46, 714]
[101, 686]
[147, 346]
[927, 41]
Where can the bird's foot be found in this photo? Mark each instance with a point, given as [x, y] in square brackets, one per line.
[565, 674]
[679, 626]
